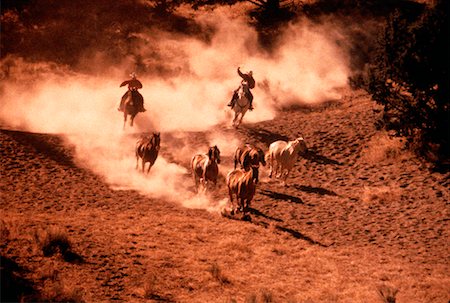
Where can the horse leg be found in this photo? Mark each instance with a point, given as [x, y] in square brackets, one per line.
[196, 181]
[149, 167]
[242, 205]
[270, 165]
[285, 177]
[230, 193]
[124, 119]
[236, 119]
[143, 165]
[241, 117]
[279, 170]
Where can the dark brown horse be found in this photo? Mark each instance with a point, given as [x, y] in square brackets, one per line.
[205, 168]
[252, 155]
[147, 149]
[131, 106]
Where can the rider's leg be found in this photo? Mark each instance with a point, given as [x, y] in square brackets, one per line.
[140, 100]
[250, 95]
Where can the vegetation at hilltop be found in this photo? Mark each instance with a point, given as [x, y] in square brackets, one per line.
[408, 75]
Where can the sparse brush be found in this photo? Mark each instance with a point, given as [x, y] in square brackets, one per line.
[387, 293]
[266, 296]
[252, 298]
[382, 147]
[382, 194]
[49, 272]
[4, 232]
[55, 240]
[61, 293]
[150, 284]
[217, 274]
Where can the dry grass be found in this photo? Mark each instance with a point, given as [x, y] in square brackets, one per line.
[264, 296]
[64, 292]
[217, 274]
[150, 286]
[55, 240]
[381, 194]
[4, 233]
[382, 147]
[387, 293]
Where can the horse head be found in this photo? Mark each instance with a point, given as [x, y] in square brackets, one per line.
[214, 154]
[300, 145]
[156, 140]
[243, 88]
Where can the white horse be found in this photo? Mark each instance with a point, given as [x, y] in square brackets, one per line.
[241, 105]
[282, 156]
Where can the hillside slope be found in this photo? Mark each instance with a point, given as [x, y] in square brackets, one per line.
[359, 214]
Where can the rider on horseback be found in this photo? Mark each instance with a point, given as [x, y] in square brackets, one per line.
[248, 77]
[133, 86]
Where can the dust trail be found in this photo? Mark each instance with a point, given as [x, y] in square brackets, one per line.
[306, 68]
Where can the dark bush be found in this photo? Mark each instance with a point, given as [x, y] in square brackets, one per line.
[408, 75]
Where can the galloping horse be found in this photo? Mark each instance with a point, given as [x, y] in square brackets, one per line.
[252, 155]
[131, 107]
[241, 183]
[282, 156]
[205, 168]
[147, 149]
[241, 105]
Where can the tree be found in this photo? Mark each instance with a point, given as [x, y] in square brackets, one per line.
[409, 77]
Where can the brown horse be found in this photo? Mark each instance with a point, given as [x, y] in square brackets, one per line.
[131, 106]
[147, 149]
[254, 156]
[205, 168]
[241, 183]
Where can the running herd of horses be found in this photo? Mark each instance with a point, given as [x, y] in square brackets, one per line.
[243, 179]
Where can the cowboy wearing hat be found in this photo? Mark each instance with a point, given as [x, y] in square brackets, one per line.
[133, 85]
[246, 77]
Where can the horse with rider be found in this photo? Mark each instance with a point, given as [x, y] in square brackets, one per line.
[133, 85]
[247, 82]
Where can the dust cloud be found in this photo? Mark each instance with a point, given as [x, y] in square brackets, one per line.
[308, 67]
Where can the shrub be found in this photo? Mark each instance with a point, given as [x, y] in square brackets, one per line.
[409, 77]
[55, 240]
[217, 274]
[387, 294]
